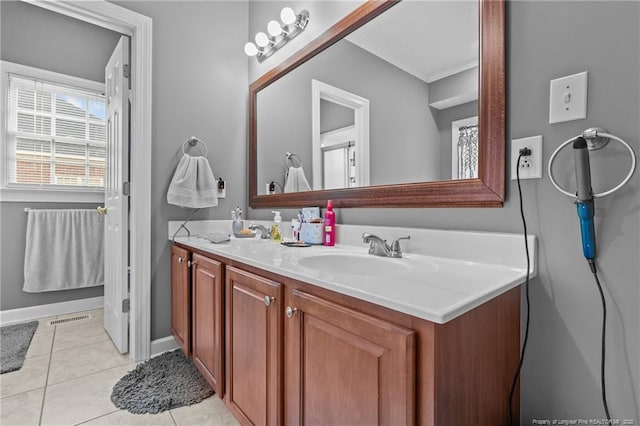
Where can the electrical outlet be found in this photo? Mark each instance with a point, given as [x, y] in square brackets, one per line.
[530, 165]
[221, 188]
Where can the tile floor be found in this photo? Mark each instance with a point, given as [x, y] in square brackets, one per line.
[67, 378]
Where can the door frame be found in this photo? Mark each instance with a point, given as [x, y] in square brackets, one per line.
[139, 28]
[360, 106]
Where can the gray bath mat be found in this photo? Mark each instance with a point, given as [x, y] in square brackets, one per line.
[167, 381]
[14, 343]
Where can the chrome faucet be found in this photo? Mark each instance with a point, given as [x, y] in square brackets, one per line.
[380, 247]
[265, 233]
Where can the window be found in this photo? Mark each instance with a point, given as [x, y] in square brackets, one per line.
[55, 132]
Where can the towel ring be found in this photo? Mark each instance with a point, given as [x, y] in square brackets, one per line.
[193, 141]
[289, 159]
[596, 139]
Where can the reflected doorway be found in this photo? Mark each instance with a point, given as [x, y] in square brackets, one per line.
[340, 138]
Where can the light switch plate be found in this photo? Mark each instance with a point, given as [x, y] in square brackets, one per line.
[531, 165]
[568, 98]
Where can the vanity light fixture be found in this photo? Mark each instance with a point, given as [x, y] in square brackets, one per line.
[279, 34]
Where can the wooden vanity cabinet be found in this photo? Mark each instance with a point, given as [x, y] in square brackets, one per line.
[253, 347]
[197, 312]
[181, 298]
[207, 319]
[345, 367]
[297, 354]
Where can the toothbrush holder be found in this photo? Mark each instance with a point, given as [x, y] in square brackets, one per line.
[237, 226]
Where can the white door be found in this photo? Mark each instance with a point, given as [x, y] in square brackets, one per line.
[116, 280]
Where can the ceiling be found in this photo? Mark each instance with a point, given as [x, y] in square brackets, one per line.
[428, 39]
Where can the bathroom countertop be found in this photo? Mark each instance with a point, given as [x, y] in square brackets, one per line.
[427, 286]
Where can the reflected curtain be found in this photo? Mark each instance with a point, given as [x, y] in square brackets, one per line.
[468, 152]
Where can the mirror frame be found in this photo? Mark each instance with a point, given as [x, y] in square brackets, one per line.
[485, 191]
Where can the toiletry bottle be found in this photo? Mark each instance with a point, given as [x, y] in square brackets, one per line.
[275, 228]
[329, 225]
[295, 224]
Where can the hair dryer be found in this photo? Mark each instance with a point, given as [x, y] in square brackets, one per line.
[584, 202]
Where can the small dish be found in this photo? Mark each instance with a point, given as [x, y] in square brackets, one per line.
[295, 244]
[239, 235]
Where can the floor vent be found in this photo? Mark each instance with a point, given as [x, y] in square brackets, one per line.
[70, 319]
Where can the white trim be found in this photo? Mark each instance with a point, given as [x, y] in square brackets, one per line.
[51, 76]
[100, 13]
[333, 137]
[160, 346]
[42, 196]
[460, 99]
[360, 105]
[452, 70]
[29, 313]
[139, 27]
[370, 47]
[22, 193]
[455, 126]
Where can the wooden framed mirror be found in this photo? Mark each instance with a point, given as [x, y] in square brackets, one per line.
[483, 187]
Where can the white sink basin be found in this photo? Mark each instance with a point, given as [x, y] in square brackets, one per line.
[356, 264]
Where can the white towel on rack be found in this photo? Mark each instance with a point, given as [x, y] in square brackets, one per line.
[296, 181]
[64, 250]
[193, 184]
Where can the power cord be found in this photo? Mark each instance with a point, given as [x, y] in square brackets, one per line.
[522, 152]
[592, 266]
[173, 239]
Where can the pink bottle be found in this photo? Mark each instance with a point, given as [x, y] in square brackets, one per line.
[329, 225]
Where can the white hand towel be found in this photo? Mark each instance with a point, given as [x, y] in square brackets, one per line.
[193, 184]
[64, 250]
[296, 181]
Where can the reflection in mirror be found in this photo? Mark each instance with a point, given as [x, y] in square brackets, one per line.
[416, 68]
[338, 144]
[464, 148]
[340, 137]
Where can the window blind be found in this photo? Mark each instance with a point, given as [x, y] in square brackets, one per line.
[56, 136]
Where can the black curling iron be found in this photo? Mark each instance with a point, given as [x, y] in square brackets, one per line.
[584, 199]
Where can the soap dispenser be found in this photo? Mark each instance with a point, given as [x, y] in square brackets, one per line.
[275, 227]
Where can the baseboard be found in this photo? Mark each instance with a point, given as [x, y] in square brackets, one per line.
[165, 344]
[10, 316]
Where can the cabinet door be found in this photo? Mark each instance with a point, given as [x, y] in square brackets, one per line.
[180, 298]
[345, 367]
[207, 320]
[254, 348]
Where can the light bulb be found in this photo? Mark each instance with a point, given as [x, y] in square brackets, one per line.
[274, 28]
[288, 16]
[262, 39]
[250, 49]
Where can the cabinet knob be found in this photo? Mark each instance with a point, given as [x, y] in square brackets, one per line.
[190, 263]
[269, 300]
[290, 311]
[180, 259]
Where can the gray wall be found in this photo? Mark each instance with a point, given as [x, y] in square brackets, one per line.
[404, 139]
[444, 119]
[13, 226]
[36, 37]
[199, 88]
[561, 376]
[323, 14]
[334, 116]
[455, 87]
